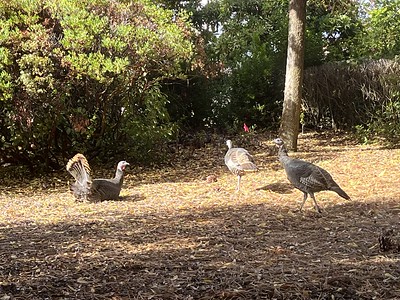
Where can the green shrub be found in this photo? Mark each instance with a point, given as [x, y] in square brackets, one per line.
[85, 75]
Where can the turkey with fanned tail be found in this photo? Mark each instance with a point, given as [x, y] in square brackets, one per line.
[84, 188]
[306, 176]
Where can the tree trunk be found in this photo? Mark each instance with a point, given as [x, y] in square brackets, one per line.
[289, 127]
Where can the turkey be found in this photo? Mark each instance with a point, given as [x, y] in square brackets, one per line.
[85, 188]
[239, 161]
[306, 176]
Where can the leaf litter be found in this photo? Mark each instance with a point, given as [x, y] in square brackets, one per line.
[177, 234]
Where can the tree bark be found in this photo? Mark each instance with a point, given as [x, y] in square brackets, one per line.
[289, 127]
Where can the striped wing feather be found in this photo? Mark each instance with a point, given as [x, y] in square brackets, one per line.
[318, 179]
[239, 160]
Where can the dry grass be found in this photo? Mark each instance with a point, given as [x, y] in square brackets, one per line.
[175, 236]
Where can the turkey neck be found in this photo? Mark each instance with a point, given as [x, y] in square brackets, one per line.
[119, 177]
[283, 155]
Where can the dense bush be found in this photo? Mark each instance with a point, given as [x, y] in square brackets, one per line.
[85, 75]
[365, 96]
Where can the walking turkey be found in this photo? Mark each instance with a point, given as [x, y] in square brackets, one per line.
[85, 188]
[239, 162]
[306, 176]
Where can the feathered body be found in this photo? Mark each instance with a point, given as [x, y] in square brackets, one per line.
[239, 162]
[84, 188]
[306, 176]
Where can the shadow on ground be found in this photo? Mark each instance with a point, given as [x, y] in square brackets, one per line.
[278, 187]
[235, 252]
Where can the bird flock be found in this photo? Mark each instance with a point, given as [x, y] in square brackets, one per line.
[304, 176]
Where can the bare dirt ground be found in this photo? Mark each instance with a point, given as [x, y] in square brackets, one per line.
[174, 235]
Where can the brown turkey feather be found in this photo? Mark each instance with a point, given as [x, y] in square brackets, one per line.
[78, 165]
[239, 161]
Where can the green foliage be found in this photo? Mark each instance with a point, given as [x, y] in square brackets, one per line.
[385, 123]
[248, 42]
[332, 28]
[107, 77]
[246, 45]
[85, 76]
[6, 86]
[151, 126]
[380, 37]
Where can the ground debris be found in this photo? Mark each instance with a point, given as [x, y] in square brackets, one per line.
[176, 235]
[389, 240]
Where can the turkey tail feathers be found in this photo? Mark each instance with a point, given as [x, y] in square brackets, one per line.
[249, 167]
[79, 168]
[340, 192]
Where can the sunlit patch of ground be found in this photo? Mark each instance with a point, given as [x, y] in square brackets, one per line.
[173, 235]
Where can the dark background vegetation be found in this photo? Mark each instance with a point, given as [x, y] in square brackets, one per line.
[115, 78]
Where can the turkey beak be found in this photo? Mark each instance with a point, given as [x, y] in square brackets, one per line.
[123, 166]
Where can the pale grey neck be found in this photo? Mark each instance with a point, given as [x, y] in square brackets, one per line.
[283, 154]
[119, 175]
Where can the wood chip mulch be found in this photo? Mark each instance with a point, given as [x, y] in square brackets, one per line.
[177, 234]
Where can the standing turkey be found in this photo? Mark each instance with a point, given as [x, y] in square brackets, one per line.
[239, 162]
[306, 176]
[84, 188]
